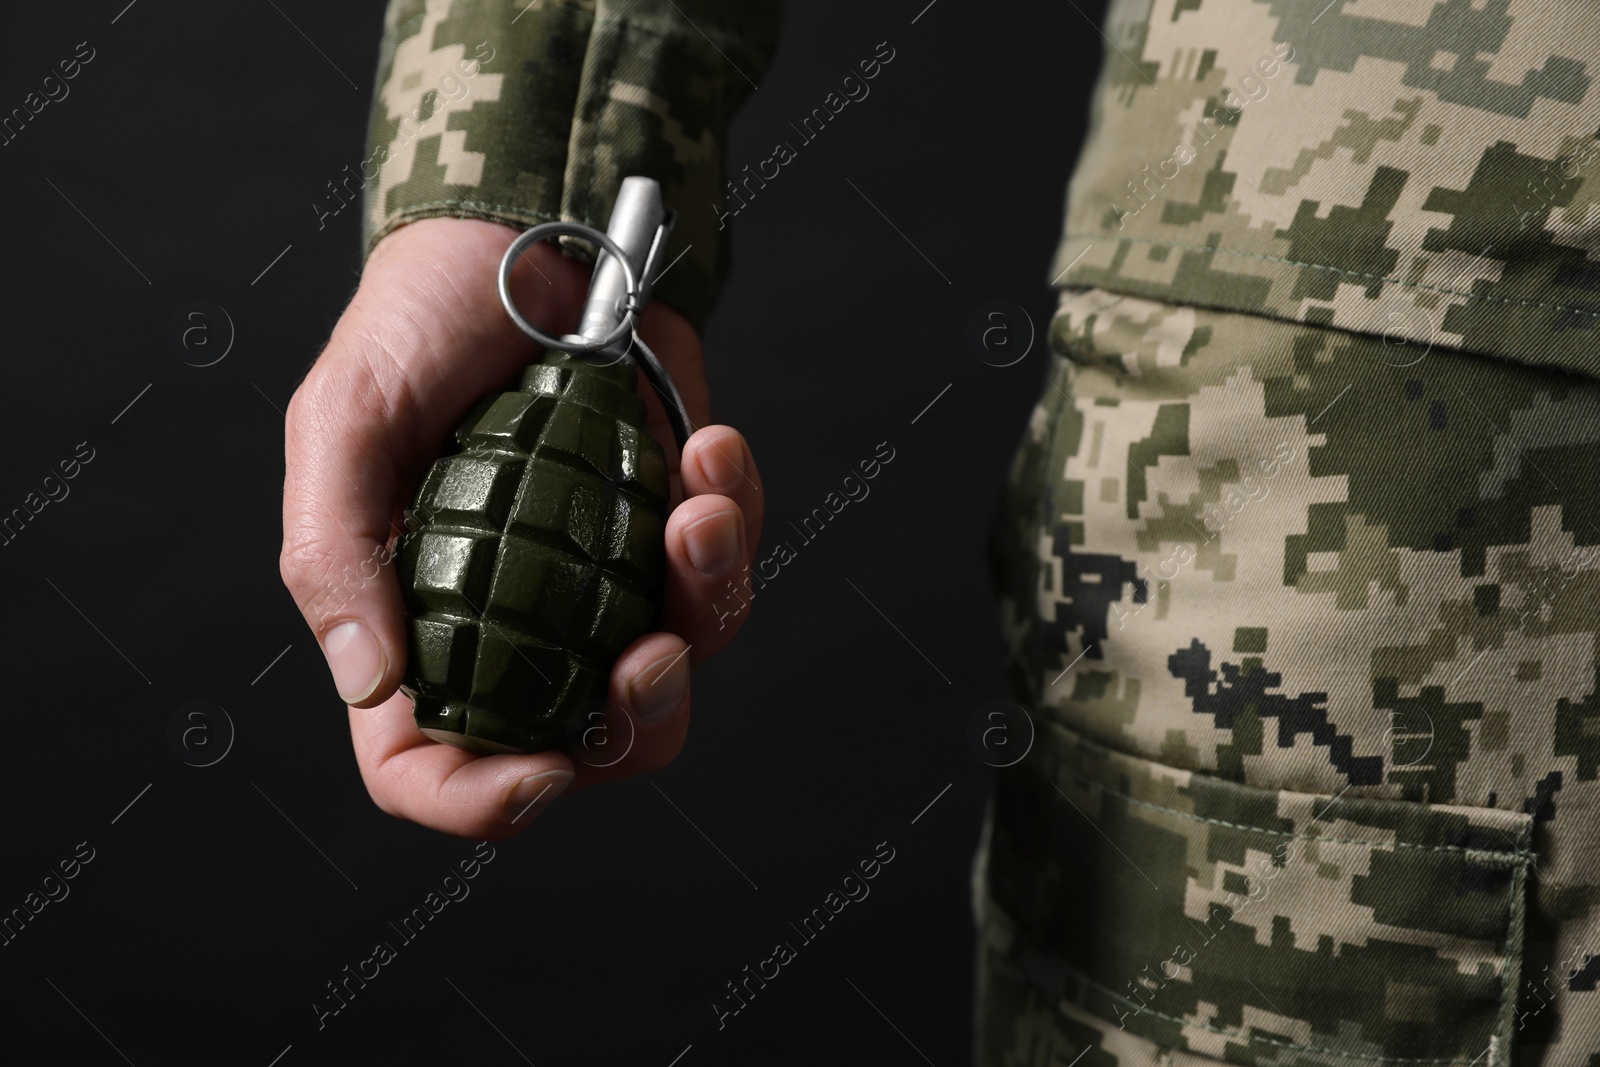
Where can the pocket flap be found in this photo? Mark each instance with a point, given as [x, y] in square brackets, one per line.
[1257, 925]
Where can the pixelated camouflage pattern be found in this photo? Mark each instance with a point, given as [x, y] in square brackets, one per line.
[1252, 571]
[1424, 170]
[566, 98]
[1237, 922]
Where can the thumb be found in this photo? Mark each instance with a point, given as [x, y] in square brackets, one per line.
[338, 493]
[340, 485]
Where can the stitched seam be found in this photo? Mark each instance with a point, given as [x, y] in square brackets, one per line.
[1252, 1036]
[1349, 273]
[1512, 976]
[411, 211]
[1515, 857]
[1479, 853]
[434, 208]
[993, 906]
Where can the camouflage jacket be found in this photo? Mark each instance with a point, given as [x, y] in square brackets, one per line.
[529, 111]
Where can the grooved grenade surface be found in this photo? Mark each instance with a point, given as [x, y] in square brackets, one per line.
[532, 557]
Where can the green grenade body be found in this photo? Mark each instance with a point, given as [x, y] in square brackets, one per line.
[532, 557]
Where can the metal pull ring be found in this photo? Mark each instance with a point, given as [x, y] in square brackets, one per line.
[636, 351]
[569, 229]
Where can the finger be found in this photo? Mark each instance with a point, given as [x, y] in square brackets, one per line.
[707, 595]
[647, 716]
[445, 788]
[423, 338]
[718, 460]
[338, 486]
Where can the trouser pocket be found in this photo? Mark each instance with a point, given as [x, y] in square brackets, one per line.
[1136, 908]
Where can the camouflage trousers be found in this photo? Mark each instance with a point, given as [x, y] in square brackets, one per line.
[1306, 624]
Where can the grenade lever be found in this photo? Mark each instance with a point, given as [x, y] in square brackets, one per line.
[625, 270]
[639, 225]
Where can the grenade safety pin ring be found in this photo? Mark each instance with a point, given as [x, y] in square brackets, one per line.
[581, 346]
[605, 303]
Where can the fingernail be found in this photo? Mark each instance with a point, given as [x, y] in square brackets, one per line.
[355, 660]
[533, 795]
[713, 542]
[656, 691]
[722, 463]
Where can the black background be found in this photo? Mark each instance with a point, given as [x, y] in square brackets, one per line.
[196, 141]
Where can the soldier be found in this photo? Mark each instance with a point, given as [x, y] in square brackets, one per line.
[1299, 566]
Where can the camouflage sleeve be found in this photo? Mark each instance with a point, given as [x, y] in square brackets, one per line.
[528, 111]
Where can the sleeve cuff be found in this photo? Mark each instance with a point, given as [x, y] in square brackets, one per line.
[527, 113]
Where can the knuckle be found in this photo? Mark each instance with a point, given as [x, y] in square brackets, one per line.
[304, 563]
[386, 794]
[404, 791]
[314, 571]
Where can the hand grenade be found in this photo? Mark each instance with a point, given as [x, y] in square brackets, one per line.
[533, 552]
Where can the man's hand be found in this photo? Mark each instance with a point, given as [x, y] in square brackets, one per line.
[424, 338]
